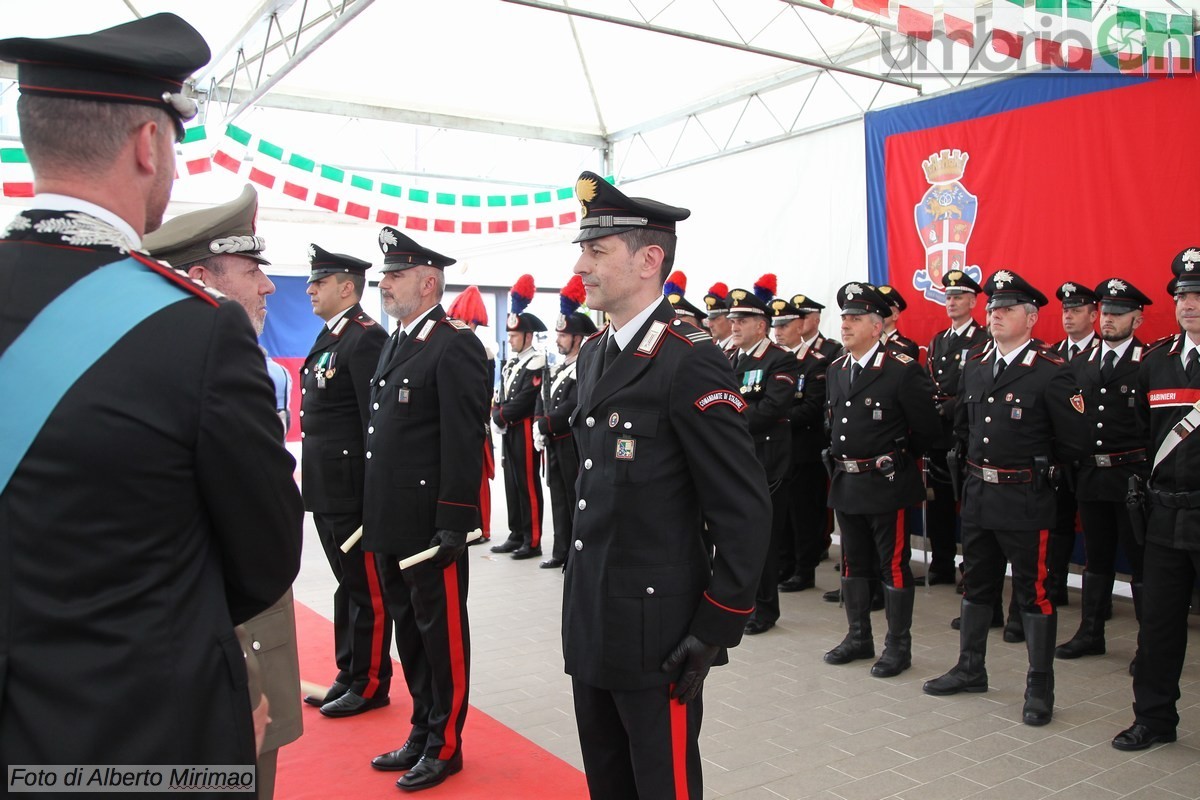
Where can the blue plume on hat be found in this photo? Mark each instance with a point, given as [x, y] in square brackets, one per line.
[572, 296]
[764, 287]
[676, 284]
[521, 294]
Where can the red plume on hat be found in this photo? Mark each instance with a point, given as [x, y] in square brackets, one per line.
[572, 296]
[521, 294]
[676, 284]
[469, 307]
[719, 290]
[764, 287]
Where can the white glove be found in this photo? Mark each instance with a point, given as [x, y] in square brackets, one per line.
[539, 440]
[497, 429]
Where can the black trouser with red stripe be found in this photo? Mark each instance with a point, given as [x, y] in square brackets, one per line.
[433, 638]
[639, 744]
[562, 468]
[984, 553]
[362, 627]
[522, 484]
[872, 542]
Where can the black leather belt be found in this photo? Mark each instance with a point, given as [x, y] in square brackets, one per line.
[1175, 499]
[996, 475]
[1115, 459]
[857, 465]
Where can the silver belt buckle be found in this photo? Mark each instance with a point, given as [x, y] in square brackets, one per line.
[1103, 460]
[851, 466]
[990, 475]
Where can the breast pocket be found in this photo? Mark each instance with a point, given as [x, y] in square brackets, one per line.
[409, 395]
[1013, 407]
[629, 444]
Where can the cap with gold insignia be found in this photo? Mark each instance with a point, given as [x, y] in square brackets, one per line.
[401, 253]
[958, 282]
[754, 303]
[1186, 267]
[717, 300]
[784, 311]
[1073, 295]
[1118, 296]
[859, 297]
[1006, 288]
[673, 290]
[519, 299]
[144, 62]
[322, 263]
[570, 320]
[227, 229]
[468, 307]
[606, 210]
[892, 297]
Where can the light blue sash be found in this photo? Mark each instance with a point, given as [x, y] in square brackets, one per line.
[62, 342]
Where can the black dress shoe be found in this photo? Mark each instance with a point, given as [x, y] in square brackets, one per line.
[507, 546]
[937, 577]
[524, 552]
[1139, 737]
[350, 704]
[755, 627]
[403, 759]
[335, 691]
[550, 563]
[481, 540]
[797, 583]
[429, 772]
[832, 596]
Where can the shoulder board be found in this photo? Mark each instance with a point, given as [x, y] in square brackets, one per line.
[813, 352]
[901, 357]
[180, 279]
[979, 355]
[365, 321]
[690, 334]
[457, 324]
[1170, 338]
[649, 344]
[1053, 358]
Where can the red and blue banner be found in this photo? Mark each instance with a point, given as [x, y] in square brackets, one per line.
[1057, 177]
[290, 332]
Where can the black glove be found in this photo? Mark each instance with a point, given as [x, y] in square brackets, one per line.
[695, 657]
[450, 545]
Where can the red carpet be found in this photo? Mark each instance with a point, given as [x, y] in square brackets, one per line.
[332, 760]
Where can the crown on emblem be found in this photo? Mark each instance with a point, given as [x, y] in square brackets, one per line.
[1068, 289]
[853, 289]
[946, 166]
[1117, 285]
[1002, 277]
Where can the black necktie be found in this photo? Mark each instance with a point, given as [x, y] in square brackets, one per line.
[1190, 368]
[611, 351]
[1000, 365]
[855, 371]
[1106, 369]
[1072, 352]
[739, 360]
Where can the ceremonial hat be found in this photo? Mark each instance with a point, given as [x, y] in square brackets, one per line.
[753, 303]
[673, 290]
[958, 282]
[1072, 295]
[143, 62]
[858, 297]
[519, 299]
[401, 252]
[218, 230]
[606, 210]
[784, 311]
[1186, 267]
[321, 262]
[468, 307]
[1119, 296]
[570, 320]
[892, 297]
[717, 300]
[1007, 288]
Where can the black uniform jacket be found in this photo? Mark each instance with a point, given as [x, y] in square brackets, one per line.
[767, 376]
[335, 406]
[556, 401]
[1062, 348]
[948, 351]
[1165, 396]
[807, 414]
[154, 511]
[899, 343]
[520, 384]
[1020, 421]
[424, 439]
[1107, 425]
[664, 449]
[888, 411]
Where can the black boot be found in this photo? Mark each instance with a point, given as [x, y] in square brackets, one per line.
[1061, 548]
[997, 617]
[1136, 589]
[969, 674]
[877, 601]
[1013, 631]
[897, 646]
[1089, 639]
[856, 596]
[1039, 681]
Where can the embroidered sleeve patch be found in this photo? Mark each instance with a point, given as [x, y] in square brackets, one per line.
[707, 401]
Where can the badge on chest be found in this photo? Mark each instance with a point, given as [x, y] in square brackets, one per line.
[625, 449]
[326, 368]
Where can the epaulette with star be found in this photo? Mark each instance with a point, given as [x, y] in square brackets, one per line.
[1050, 356]
[457, 324]
[1157, 343]
[901, 357]
[364, 321]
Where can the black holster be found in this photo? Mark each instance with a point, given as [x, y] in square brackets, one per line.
[1137, 503]
[1041, 473]
[827, 460]
[956, 465]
